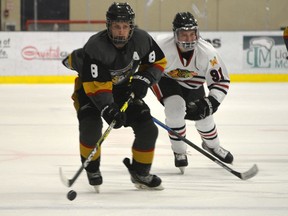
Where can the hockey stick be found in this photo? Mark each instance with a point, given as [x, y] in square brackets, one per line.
[244, 175]
[70, 182]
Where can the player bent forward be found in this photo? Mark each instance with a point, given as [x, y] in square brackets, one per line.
[191, 61]
[107, 75]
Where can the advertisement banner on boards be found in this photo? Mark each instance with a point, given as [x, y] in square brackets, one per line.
[40, 53]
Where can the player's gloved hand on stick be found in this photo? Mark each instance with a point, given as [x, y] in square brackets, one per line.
[201, 108]
[112, 112]
[139, 85]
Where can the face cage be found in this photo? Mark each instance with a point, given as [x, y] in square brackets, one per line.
[120, 40]
[183, 45]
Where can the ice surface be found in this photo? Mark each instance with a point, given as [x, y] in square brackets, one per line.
[38, 131]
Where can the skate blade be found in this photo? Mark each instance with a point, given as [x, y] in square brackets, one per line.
[182, 170]
[97, 188]
[145, 187]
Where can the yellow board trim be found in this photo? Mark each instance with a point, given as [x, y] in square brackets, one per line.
[36, 79]
[259, 77]
[70, 79]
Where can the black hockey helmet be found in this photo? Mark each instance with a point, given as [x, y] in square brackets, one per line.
[118, 12]
[185, 21]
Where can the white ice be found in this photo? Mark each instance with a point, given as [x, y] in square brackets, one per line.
[39, 134]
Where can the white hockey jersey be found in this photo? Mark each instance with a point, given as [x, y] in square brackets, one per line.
[205, 66]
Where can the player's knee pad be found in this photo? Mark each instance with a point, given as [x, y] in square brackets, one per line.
[146, 134]
[87, 110]
[175, 108]
[205, 124]
[90, 129]
[138, 111]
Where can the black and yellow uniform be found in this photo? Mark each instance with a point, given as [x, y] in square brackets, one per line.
[104, 74]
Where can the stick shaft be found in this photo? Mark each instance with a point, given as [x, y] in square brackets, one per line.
[249, 174]
[70, 182]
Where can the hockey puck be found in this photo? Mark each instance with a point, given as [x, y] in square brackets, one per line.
[71, 195]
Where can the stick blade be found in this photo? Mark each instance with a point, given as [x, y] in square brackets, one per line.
[64, 179]
[250, 173]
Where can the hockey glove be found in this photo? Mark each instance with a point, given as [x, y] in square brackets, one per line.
[112, 112]
[139, 85]
[201, 108]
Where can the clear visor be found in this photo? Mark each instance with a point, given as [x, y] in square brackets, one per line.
[186, 38]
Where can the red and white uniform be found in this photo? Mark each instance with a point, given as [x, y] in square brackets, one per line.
[205, 65]
[190, 70]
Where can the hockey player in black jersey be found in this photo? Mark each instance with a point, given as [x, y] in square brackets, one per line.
[112, 64]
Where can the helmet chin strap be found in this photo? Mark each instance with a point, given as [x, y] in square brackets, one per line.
[185, 46]
[119, 40]
[119, 46]
[182, 49]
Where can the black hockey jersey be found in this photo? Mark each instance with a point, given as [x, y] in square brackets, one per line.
[102, 67]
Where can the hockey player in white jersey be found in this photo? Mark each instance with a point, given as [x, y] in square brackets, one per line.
[191, 61]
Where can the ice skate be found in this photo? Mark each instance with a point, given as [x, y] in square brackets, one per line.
[148, 182]
[220, 153]
[181, 161]
[95, 179]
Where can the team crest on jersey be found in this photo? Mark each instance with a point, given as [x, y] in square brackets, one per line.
[120, 75]
[213, 61]
[180, 73]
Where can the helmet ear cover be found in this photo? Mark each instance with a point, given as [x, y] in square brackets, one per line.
[120, 12]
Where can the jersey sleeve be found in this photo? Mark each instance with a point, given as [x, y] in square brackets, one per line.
[74, 61]
[217, 77]
[97, 82]
[153, 63]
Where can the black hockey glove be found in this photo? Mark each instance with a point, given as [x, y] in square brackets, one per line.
[139, 85]
[201, 108]
[111, 112]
